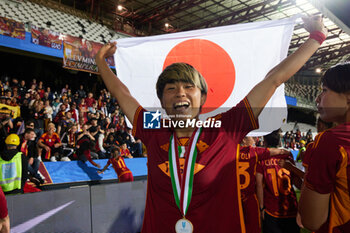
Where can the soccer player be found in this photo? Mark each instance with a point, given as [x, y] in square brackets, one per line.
[117, 160]
[325, 199]
[249, 157]
[193, 178]
[277, 198]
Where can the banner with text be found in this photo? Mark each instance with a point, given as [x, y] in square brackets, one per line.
[46, 37]
[79, 54]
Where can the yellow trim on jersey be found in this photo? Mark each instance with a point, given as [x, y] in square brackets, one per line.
[134, 124]
[339, 212]
[241, 216]
[257, 201]
[123, 173]
[277, 216]
[317, 139]
[250, 113]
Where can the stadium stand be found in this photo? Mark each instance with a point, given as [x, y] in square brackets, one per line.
[41, 16]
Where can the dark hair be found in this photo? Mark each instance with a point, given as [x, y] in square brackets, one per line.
[29, 122]
[28, 130]
[273, 139]
[114, 149]
[337, 78]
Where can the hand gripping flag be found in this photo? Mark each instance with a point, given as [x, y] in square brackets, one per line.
[232, 59]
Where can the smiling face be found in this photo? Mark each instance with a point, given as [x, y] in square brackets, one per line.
[181, 90]
[333, 106]
[183, 99]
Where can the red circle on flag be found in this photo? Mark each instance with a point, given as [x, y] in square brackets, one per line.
[213, 62]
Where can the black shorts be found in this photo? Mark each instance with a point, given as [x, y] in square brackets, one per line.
[279, 225]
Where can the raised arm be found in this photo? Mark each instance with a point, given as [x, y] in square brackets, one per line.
[127, 103]
[262, 92]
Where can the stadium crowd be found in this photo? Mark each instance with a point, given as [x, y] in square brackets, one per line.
[63, 125]
[71, 124]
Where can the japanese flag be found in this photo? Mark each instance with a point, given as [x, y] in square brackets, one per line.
[232, 59]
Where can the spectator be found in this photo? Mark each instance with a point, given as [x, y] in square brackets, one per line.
[90, 101]
[65, 123]
[121, 125]
[85, 142]
[60, 114]
[5, 125]
[124, 151]
[65, 89]
[134, 145]
[83, 109]
[40, 89]
[50, 95]
[69, 141]
[29, 149]
[81, 92]
[50, 144]
[56, 106]
[39, 116]
[74, 111]
[22, 89]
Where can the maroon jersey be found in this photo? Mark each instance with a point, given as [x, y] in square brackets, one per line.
[119, 166]
[329, 173]
[3, 205]
[50, 141]
[248, 160]
[307, 154]
[279, 196]
[216, 201]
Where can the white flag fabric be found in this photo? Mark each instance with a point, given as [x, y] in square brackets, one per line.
[232, 59]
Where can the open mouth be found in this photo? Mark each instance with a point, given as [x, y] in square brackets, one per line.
[181, 105]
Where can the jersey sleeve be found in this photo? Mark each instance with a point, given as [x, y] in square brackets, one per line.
[137, 130]
[109, 162]
[323, 165]
[239, 120]
[42, 138]
[58, 140]
[307, 154]
[262, 153]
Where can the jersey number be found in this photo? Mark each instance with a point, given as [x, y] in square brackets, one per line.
[121, 164]
[280, 181]
[242, 169]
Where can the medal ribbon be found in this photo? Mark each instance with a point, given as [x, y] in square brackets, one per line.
[183, 185]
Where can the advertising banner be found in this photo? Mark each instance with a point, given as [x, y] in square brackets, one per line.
[79, 54]
[12, 28]
[46, 37]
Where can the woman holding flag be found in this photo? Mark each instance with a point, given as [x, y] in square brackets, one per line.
[191, 184]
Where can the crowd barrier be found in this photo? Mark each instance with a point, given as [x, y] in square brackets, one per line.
[109, 208]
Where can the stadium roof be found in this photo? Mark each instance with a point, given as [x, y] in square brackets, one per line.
[148, 17]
